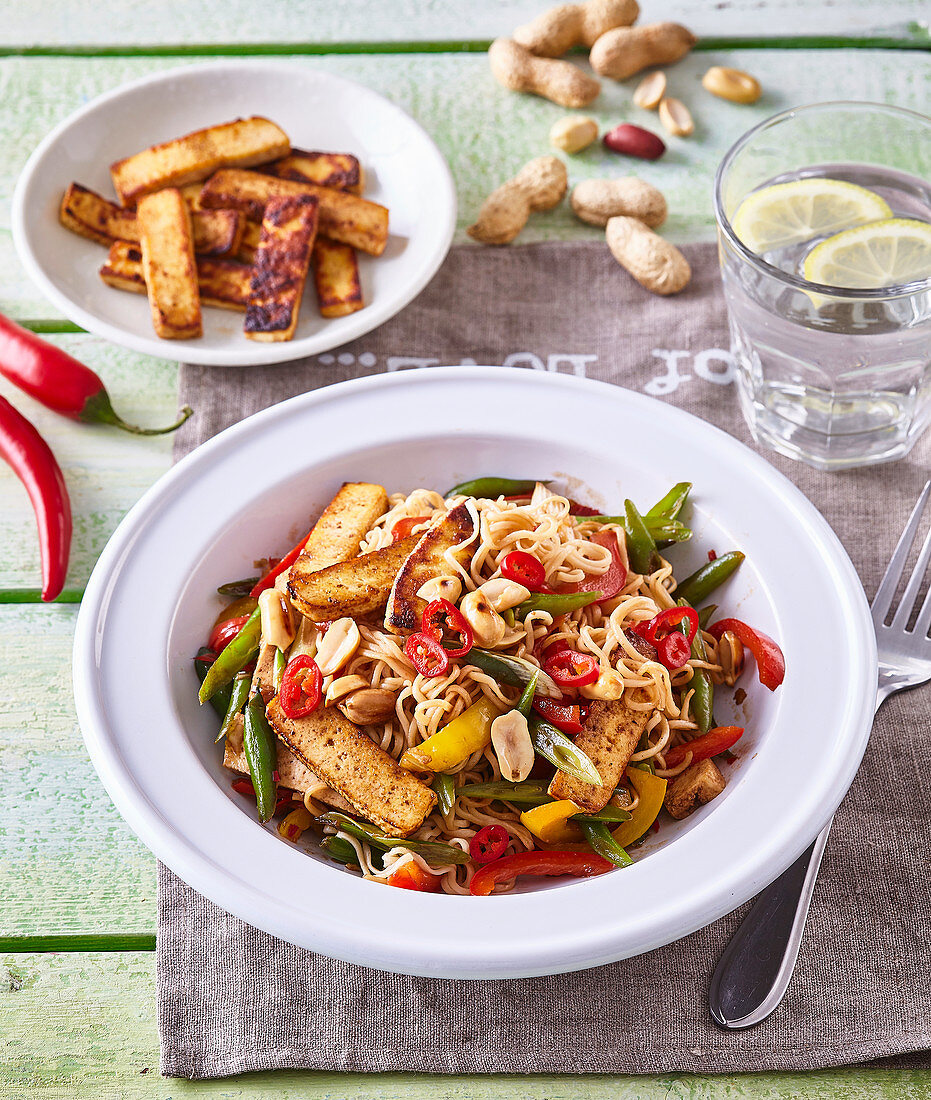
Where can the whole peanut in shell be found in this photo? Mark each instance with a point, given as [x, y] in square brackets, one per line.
[539, 185]
[559, 29]
[657, 265]
[597, 201]
[621, 52]
[560, 81]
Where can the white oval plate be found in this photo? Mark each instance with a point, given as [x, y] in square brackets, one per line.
[404, 171]
[152, 598]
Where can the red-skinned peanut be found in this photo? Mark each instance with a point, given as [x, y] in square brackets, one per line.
[634, 141]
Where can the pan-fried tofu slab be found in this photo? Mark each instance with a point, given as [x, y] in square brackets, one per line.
[280, 268]
[251, 234]
[428, 560]
[336, 278]
[610, 737]
[339, 530]
[339, 170]
[238, 144]
[222, 283]
[168, 265]
[343, 216]
[348, 760]
[353, 587]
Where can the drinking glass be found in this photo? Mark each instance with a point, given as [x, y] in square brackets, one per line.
[832, 376]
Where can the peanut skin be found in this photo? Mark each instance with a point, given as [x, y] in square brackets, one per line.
[657, 265]
[621, 52]
[597, 201]
[539, 185]
[560, 81]
[559, 29]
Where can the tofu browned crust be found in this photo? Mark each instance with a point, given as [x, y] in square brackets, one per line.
[336, 278]
[222, 283]
[279, 270]
[698, 784]
[428, 560]
[610, 737]
[346, 758]
[241, 143]
[168, 265]
[339, 170]
[343, 216]
[342, 525]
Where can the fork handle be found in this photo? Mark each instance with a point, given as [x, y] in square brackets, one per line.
[754, 971]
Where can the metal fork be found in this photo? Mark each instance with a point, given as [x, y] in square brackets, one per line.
[755, 968]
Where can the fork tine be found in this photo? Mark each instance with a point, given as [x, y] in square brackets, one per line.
[923, 622]
[891, 577]
[910, 595]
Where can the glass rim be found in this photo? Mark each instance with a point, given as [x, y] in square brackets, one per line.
[898, 290]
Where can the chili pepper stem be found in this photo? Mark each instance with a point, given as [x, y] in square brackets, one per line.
[99, 410]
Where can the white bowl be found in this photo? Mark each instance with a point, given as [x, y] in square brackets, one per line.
[404, 171]
[254, 490]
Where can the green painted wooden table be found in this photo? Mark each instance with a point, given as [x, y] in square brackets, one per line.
[77, 890]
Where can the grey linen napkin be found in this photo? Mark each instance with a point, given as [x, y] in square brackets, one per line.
[232, 999]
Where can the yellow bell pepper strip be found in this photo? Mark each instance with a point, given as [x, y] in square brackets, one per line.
[550, 822]
[455, 742]
[652, 791]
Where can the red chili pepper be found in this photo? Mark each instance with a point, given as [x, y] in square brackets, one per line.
[411, 876]
[34, 464]
[545, 648]
[610, 583]
[564, 716]
[571, 669]
[770, 662]
[223, 633]
[60, 382]
[426, 655]
[441, 617]
[714, 742]
[301, 685]
[579, 864]
[403, 528]
[666, 622]
[673, 651]
[489, 843]
[244, 786]
[276, 570]
[712, 555]
[525, 569]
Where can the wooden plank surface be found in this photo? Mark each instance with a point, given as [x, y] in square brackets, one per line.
[71, 23]
[83, 1025]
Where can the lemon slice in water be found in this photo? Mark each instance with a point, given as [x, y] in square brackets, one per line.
[789, 213]
[885, 253]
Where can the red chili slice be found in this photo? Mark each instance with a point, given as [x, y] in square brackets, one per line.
[489, 843]
[404, 526]
[301, 686]
[564, 716]
[223, 633]
[673, 651]
[525, 569]
[666, 622]
[426, 655]
[441, 618]
[571, 669]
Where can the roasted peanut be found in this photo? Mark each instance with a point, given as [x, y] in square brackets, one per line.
[503, 594]
[342, 686]
[560, 81]
[573, 133]
[656, 264]
[634, 141]
[337, 646]
[675, 116]
[510, 738]
[446, 587]
[559, 29]
[276, 619]
[487, 625]
[539, 185]
[596, 201]
[609, 685]
[368, 706]
[732, 84]
[731, 657]
[624, 51]
[650, 91]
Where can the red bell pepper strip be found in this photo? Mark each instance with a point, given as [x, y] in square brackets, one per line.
[440, 617]
[564, 716]
[506, 869]
[34, 464]
[426, 655]
[713, 743]
[770, 662]
[60, 382]
[301, 686]
[276, 570]
[571, 669]
[610, 583]
[524, 569]
[404, 527]
[411, 876]
[489, 843]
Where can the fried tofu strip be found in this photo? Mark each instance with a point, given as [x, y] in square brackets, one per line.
[339, 530]
[336, 278]
[353, 587]
[250, 241]
[339, 170]
[168, 265]
[344, 217]
[428, 560]
[222, 283]
[610, 737]
[237, 144]
[346, 758]
[279, 270]
[215, 232]
[698, 784]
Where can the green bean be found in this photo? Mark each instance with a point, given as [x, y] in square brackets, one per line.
[513, 671]
[698, 586]
[641, 546]
[531, 792]
[239, 692]
[702, 685]
[435, 853]
[261, 750]
[553, 745]
[493, 487]
[601, 841]
[609, 813]
[445, 787]
[662, 530]
[221, 700]
[556, 603]
[673, 502]
[705, 613]
[238, 588]
[339, 848]
[508, 616]
[233, 658]
[281, 663]
[644, 766]
[525, 702]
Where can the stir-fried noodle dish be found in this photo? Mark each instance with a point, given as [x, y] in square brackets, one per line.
[455, 691]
